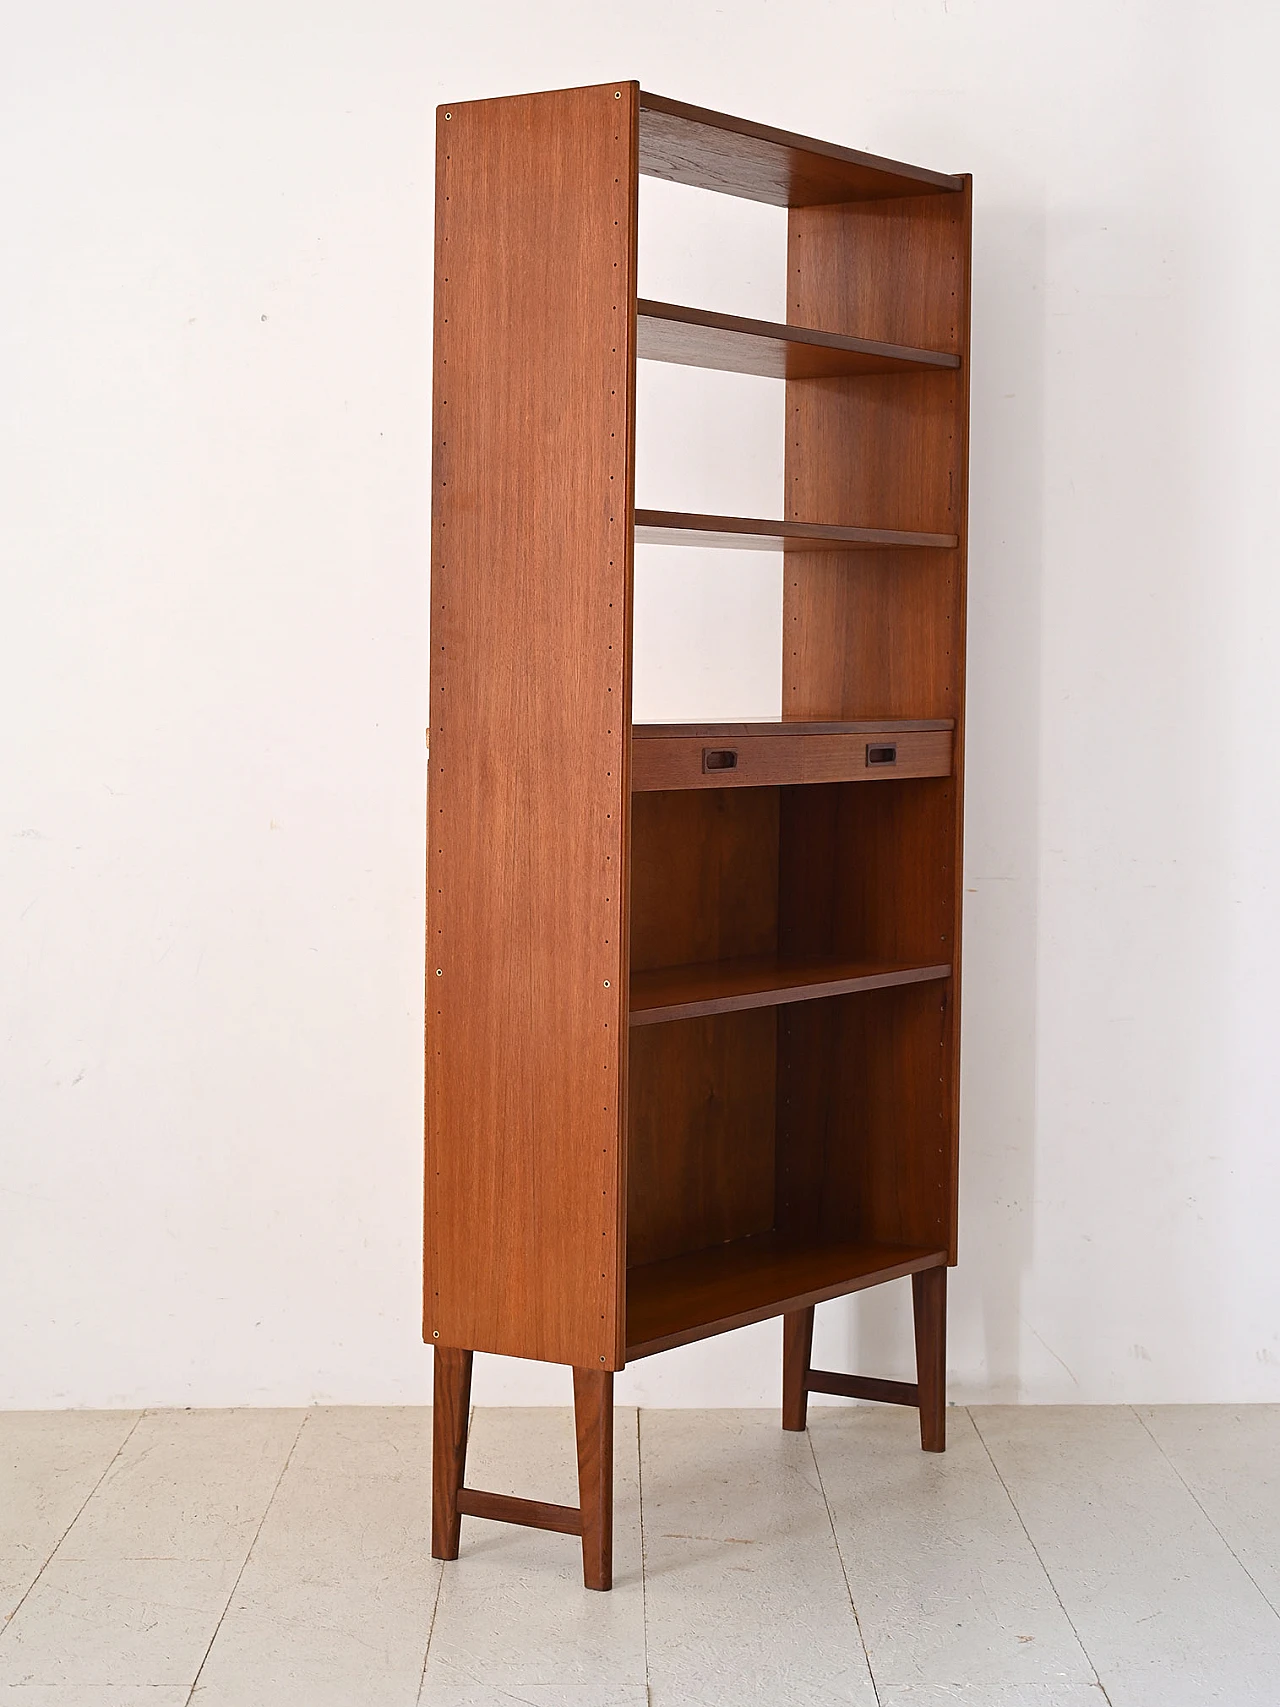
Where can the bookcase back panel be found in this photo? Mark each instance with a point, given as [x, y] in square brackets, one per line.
[872, 635]
[877, 634]
[864, 1140]
[704, 876]
[902, 430]
[895, 270]
[530, 747]
[866, 872]
[700, 1143]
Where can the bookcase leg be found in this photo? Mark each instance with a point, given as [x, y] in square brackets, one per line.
[929, 1299]
[448, 1447]
[593, 1417]
[797, 1348]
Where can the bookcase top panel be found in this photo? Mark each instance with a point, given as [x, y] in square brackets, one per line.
[692, 145]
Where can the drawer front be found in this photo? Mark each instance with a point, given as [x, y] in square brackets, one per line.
[760, 761]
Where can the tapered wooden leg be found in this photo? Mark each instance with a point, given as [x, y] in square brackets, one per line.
[593, 1417]
[929, 1298]
[797, 1347]
[449, 1447]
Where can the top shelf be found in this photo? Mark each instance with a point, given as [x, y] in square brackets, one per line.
[692, 145]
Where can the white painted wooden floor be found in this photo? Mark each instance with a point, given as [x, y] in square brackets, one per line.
[1058, 1558]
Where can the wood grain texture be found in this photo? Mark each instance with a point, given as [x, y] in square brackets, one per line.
[700, 1140]
[929, 1300]
[864, 1140]
[529, 1514]
[593, 1423]
[704, 876]
[797, 1348]
[865, 1386]
[451, 1394]
[787, 729]
[882, 634]
[697, 337]
[693, 145]
[743, 533]
[530, 647]
[680, 762]
[867, 871]
[708, 1292]
[761, 981]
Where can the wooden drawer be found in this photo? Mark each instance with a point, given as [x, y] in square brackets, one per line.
[759, 756]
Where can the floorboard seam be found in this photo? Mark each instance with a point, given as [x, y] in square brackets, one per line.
[644, 1585]
[1031, 1543]
[431, 1630]
[8, 1624]
[822, 1489]
[1172, 1463]
[248, 1554]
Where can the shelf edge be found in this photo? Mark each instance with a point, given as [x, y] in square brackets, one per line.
[784, 995]
[777, 1307]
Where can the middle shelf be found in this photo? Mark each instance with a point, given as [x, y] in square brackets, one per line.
[745, 533]
[762, 981]
[697, 337]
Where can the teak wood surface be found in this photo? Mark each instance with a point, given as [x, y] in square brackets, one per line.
[693, 145]
[743, 533]
[692, 1020]
[530, 680]
[696, 337]
[761, 981]
[881, 635]
[878, 753]
[706, 1292]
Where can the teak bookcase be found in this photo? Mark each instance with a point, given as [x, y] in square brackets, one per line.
[692, 991]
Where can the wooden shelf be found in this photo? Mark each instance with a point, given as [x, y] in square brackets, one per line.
[747, 1280]
[767, 755]
[765, 726]
[693, 145]
[696, 337]
[739, 533]
[760, 981]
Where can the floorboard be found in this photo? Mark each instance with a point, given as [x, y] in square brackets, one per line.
[275, 1558]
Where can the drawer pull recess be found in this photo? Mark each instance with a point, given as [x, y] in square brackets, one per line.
[882, 753]
[719, 758]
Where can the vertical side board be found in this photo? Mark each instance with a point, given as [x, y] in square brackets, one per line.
[882, 633]
[529, 798]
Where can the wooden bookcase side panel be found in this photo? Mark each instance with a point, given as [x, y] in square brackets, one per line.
[881, 634]
[530, 713]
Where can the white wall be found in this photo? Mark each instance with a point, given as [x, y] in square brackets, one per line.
[213, 539]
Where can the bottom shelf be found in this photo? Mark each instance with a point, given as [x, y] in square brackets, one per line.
[707, 1292]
